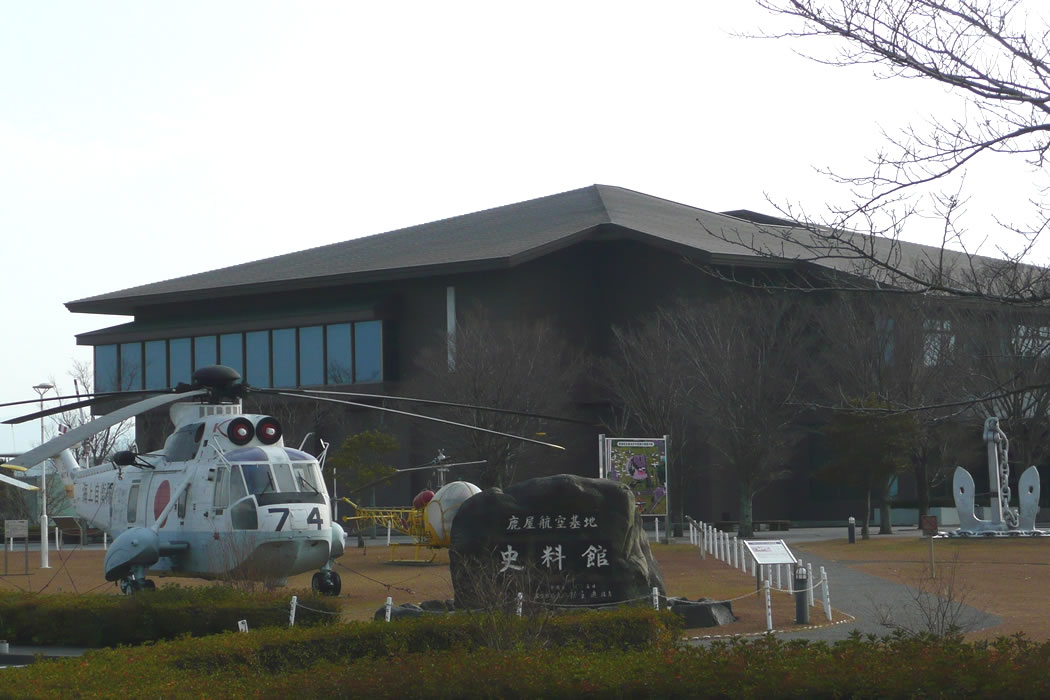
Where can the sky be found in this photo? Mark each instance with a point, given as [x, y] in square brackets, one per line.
[143, 141]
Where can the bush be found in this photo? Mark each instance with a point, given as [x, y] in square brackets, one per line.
[97, 620]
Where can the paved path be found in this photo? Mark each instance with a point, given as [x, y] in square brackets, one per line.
[860, 594]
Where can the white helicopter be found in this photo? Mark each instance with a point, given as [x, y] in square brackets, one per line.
[225, 495]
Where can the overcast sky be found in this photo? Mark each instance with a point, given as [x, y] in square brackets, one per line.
[143, 141]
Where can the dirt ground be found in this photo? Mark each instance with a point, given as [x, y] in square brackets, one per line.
[369, 577]
[1002, 577]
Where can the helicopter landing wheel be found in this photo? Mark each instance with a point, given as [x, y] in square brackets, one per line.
[326, 583]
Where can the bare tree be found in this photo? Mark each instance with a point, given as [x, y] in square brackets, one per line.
[901, 354]
[651, 393]
[524, 366]
[994, 55]
[100, 446]
[732, 370]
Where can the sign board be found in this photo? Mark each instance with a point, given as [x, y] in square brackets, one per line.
[928, 525]
[770, 552]
[641, 465]
[16, 528]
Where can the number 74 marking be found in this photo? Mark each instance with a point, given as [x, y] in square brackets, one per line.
[314, 518]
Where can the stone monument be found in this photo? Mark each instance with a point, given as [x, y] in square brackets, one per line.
[571, 540]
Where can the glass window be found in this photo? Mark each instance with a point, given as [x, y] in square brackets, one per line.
[180, 507]
[156, 364]
[237, 490]
[133, 503]
[285, 481]
[368, 351]
[284, 363]
[106, 378]
[179, 361]
[307, 478]
[130, 366]
[222, 488]
[257, 350]
[311, 356]
[205, 352]
[231, 351]
[938, 342]
[338, 341]
[257, 478]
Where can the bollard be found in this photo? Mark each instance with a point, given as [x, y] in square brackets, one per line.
[800, 584]
[852, 529]
[810, 594]
[769, 609]
[657, 521]
[387, 533]
[656, 598]
[521, 598]
[389, 606]
[827, 596]
[291, 616]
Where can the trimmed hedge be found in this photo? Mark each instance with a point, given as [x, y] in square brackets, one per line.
[98, 620]
[374, 660]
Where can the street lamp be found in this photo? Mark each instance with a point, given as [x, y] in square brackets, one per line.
[41, 389]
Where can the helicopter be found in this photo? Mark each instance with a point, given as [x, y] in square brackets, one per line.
[224, 496]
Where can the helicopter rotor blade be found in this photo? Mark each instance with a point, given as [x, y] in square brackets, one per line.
[81, 395]
[53, 410]
[82, 432]
[452, 404]
[16, 482]
[412, 415]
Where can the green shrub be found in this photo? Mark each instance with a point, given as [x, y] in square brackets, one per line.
[97, 620]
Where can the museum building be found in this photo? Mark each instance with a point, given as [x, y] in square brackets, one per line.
[355, 314]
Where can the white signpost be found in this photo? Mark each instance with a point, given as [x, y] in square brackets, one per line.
[768, 552]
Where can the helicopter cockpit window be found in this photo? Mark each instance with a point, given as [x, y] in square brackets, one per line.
[183, 443]
[237, 490]
[306, 477]
[285, 480]
[258, 479]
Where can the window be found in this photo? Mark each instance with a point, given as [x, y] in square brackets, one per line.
[884, 337]
[285, 481]
[156, 364]
[231, 352]
[237, 490]
[180, 507]
[306, 476]
[205, 352]
[1032, 341]
[133, 503]
[222, 488]
[938, 344]
[179, 351]
[311, 356]
[284, 363]
[106, 376]
[130, 366]
[340, 354]
[368, 351]
[257, 351]
[336, 353]
[258, 479]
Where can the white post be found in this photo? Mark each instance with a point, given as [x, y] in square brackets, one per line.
[753, 570]
[656, 598]
[790, 579]
[521, 599]
[702, 541]
[812, 586]
[105, 541]
[779, 587]
[387, 533]
[58, 540]
[291, 615]
[657, 522]
[769, 610]
[827, 596]
[389, 606]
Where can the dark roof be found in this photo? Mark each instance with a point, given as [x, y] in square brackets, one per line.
[495, 238]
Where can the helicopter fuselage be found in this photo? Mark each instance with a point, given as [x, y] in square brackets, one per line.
[225, 498]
